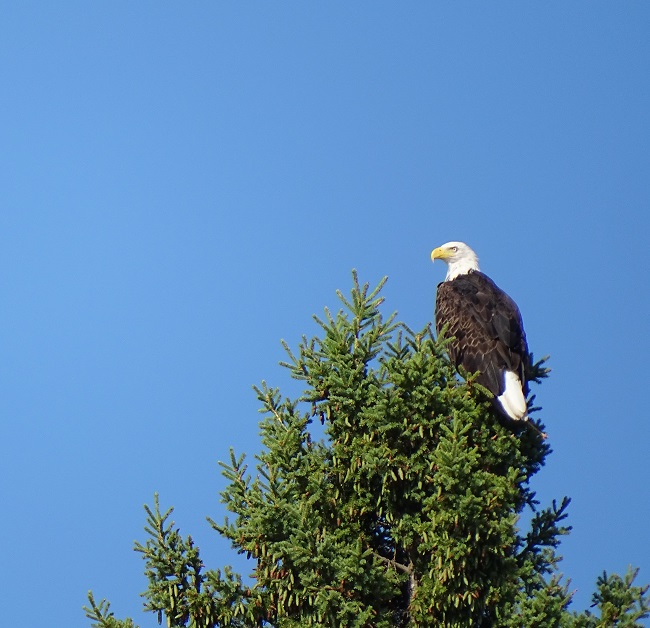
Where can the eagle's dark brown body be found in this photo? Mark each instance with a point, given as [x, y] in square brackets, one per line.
[487, 330]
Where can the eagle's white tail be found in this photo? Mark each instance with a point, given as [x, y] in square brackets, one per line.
[512, 400]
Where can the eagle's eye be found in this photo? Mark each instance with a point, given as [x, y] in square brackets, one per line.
[454, 249]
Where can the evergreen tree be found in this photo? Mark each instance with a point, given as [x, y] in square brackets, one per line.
[407, 512]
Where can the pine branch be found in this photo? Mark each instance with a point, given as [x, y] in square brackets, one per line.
[102, 617]
[536, 371]
[544, 533]
[620, 603]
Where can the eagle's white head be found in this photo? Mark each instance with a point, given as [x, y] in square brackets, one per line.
[460, 259]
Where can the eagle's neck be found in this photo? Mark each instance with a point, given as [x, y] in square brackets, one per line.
[461, 267]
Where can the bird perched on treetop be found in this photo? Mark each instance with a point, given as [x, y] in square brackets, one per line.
[485, 327]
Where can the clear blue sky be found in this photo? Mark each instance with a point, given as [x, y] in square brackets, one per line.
[183, 185]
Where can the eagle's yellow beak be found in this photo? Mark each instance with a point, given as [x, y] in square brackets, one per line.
[439, 253]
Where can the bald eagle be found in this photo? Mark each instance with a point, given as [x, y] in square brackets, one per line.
[485, 327]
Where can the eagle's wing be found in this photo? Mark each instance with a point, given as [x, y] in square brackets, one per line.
[486, 326]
